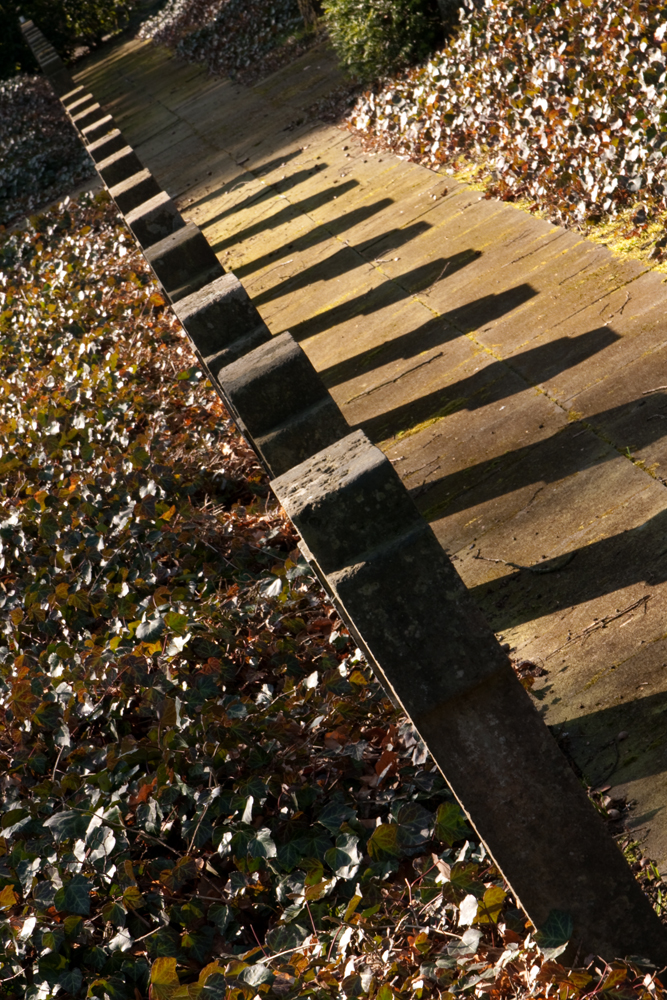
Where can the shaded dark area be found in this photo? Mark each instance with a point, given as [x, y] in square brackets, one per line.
[15, 54]
[492, 383]
[315, 236]
[545, 461]
[438, 331]
[603, 567]
[344, 260]
[67, 24]
[41, 155]
[286, 214]
[591, 737]
[390, 292]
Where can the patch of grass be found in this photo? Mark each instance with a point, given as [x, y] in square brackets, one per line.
[451, 407]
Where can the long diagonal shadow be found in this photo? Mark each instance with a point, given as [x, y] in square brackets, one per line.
[344, 260]
[545, 461]
[285, 214]
[315, 236]
[479, 388]
[592, 742]
[440, 330]
[264, 194]
[388, 293]
[236, 181]
[278, 161]
[637, 555]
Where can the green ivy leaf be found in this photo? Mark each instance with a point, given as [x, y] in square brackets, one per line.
[382, 843]
[114, 913]
[220, 915]
[556, 931]
[215, 987]
[176, 622]
[334, 814]
[463, 880]
[451, 824]
[66, 825]
[151, 629]
[262, 845]
[183, 872]
[47, 715]
[48, 527]
[256, 975]
[288, 936]
[491, 905]
[74, 897]
[290, 854]
[71, 981]
[415, 824]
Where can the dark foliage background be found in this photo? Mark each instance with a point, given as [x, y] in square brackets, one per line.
[246, 39]
[375, 37]
[41, 156]
[66, 24]
[562, 104]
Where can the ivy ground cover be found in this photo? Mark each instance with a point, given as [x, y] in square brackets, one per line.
[562, 104]
[245, 39]
[204, 792]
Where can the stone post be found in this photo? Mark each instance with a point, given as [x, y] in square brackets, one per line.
[391, 578]
[184, 262]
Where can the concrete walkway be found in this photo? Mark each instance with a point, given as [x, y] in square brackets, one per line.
[504, 365]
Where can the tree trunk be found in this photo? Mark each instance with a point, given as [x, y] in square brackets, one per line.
[310, 11]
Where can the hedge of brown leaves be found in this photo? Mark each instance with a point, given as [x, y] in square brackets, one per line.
[41, 156]
[204, 792]
[563, 102]
[240, 38]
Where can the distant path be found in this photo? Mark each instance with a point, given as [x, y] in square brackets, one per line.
[503, 364]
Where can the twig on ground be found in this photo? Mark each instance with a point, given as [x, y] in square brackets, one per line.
[550, 568]
[602, 623]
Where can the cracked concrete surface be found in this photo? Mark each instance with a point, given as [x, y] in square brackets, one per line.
[513, 372]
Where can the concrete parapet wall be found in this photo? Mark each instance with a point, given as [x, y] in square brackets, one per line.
[154, 220]
[113, 142]
[102, 127]
[389, 577]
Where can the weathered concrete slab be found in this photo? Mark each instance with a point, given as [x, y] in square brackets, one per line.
[80, 103]
[278, 397]
[500, 361]
[107, 145]
[119, 166]
[222, 322]
[87, 116]
[105, 125]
